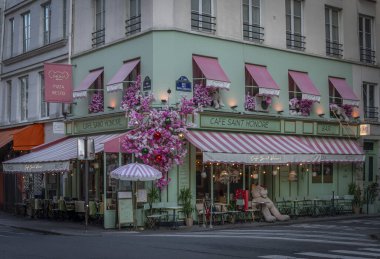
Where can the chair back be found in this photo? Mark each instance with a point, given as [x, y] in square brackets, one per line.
[79, 206]
[199, 207]
[92, 208]
[101, 208]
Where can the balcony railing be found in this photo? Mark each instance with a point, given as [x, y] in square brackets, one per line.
[203, 22]
[253, 32]
[133, 25]
[98, 37]
[334, 49]
[367, 56]
[371, 113]
[295, 41]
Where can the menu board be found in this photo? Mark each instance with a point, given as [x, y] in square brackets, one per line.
[184, 175]
[125, 210]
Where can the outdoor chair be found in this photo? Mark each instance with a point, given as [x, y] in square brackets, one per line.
[201, 213]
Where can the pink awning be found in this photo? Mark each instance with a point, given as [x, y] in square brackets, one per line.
[86, 83]
[263, 80]
[212, 71]
[336, 149]
[345, 91]
[114, 145]
[116, 82]
[305, 85]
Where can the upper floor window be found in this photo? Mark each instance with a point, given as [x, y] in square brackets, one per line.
[371, 111]
[44, 105]
[366, 44]
[98, 36]
[26, 32]
[251, 21]
[24, 96]
[9, 100]
[64, 17]
[202, 18]
[133, 23]
[333, 46]
[12, 36]
[294, 17]
[46, 23]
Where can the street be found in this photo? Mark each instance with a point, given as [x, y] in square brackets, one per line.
[349, 238]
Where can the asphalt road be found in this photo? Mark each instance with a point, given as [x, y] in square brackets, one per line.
[333, 239]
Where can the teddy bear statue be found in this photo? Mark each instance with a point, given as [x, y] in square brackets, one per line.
[217, 101]
[269, 211]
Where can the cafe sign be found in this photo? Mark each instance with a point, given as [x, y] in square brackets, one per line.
[100, 125]
[42, 167]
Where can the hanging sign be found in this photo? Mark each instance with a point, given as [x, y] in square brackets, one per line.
[147, 84]
[183, 84]
[58, 83]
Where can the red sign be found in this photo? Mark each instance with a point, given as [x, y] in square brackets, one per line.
[58, 83]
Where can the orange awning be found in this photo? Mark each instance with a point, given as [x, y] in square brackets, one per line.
[29, 137]
[6, 136]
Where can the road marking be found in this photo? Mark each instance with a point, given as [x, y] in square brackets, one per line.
[354, 252]
[323, 255]
[269, 238]
[292, 231]
[280, 257]
[370, 249]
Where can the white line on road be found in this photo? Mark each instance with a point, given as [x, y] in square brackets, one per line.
[268, 238]
[370, 249]
[323, 255]
[354, 252]
[294, 231]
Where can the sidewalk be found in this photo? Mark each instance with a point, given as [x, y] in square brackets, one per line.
[56, 227]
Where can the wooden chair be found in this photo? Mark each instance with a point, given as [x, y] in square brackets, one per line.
[201, 213]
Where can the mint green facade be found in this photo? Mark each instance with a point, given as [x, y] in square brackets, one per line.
[167, 55]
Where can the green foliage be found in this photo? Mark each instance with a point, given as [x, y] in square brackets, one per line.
[357, 201]
[351, 188]
[185, 197]
[372, 192]
[153, 196]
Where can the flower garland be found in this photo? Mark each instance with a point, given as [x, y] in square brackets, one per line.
[303, 105]
[250, 103]
[202, 96]
[97, 103]
[157, 135]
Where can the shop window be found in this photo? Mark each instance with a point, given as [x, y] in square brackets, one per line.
[328, 173]
[322, 173]
[368, 146]
[316, 173]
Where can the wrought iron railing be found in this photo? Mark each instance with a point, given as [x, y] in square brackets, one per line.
[133, 25]
[371, 113]
[334, 49]
[203, 22]
[98, 37]
[253, 32]
[295, 41]
[367, 56]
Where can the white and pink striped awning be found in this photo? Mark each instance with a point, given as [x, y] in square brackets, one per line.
[336, 149]
[230, 147]
[136, 172]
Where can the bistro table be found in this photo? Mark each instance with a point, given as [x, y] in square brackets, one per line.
[174, 209]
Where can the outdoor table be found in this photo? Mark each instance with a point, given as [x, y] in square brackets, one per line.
[154, 220]
[174, 209]
[261, 203]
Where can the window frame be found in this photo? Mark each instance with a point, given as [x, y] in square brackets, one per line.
[255, 30]
[9, 100]
[291, 34]
[211, 28]
[12, 36]
[370, 107]
[24, 97]
[44, 106]
[46, 17]
[364, 57]
[333, 48]
[98, 36]
[26, 31]
[133, 22]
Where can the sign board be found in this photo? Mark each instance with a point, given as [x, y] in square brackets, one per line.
[142, 195]
[147, 84]
[58, 83]
[365, 129]
[183, 84]
[58, 127]
[99, 125]
[125, 211]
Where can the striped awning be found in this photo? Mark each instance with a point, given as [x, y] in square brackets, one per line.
[273, 149]
[52, 158]
[336, 149]
[251, 148]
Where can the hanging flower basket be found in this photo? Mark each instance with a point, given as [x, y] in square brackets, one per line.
[266, 102]
[96, 104]
[250, 103]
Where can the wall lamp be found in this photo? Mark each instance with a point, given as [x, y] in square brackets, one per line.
[280, 111]
[233, 107]
[321, 115]
[111, 107]
[163, 101]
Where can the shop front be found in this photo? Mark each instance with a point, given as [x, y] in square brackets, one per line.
[293, 159]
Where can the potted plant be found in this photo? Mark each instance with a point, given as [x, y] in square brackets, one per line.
[153, 196]
[185, 197]
[357, 202]
[371, 194]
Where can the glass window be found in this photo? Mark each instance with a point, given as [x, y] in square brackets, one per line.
[367, 53]
[64, 22]
[328, 173]
[251, 20]
[9, 100]
[294, 16]
[133, 24]
[98, 37]
[24, 97]
[201, 16]
[47, 23]
[369, 101]
[322, 173]
[26, 32]
[12, 36]
[44, 105]
[333, 46]
[316, 173]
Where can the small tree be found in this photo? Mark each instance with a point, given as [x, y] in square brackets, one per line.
[185, 197]
[153, 196]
